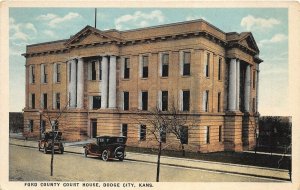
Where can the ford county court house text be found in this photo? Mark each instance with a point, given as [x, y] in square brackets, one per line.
[105, 75]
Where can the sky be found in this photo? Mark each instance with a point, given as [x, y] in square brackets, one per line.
[269, 27]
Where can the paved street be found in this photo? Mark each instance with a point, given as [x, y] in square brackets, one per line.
[28, 164]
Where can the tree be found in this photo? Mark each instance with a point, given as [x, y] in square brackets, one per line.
[16, 122]
[178, 126]
[158, 128]
[269, 126]
[53, 118]
[161, 123]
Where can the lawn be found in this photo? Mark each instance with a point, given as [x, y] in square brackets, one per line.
[271, 161]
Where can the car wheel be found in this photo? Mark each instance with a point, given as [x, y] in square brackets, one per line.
[45, 150]
[85, 152]
[105, 155]
[39, 147]
[121, 158]
[62, 150]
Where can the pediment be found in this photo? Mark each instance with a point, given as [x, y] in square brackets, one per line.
[89, 35]
[249, 42]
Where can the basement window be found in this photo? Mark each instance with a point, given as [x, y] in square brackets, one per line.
[142, 132]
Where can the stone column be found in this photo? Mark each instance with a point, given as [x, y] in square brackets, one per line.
[257, 85]
[238, 84]
[232, 85]
[72, 83]
[80, 83]
[247, 89]
[104, 82]
[112, 82]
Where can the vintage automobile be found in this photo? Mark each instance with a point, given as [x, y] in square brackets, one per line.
[107, 147]
[46, 143]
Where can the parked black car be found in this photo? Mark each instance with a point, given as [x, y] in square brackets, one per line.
[47, 142]
[107, 147]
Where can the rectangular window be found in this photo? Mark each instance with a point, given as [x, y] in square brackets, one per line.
[31, 126]
[254, 79]
[43, 126]
[45, 75]
[164, 100]
[184, 134]
[96, 102]
[219, 68]
[124, 129]
[32, 74]
[93, 70]
[207, 134]
[220, 134]
[165, 65]
[206, 101]
[207, 64]
[126, 68]
[45, 101]
[126, 101]
[186, 63]
[145, 67]
[253, 105]
[57, 101]
[55, 124]
[70, 96]
[142, 132]
[58, 73]
[33, 101]
[219, 101]
[163, 134]
[70, 72]
[100, 71]
[145, 100]
[186, 100]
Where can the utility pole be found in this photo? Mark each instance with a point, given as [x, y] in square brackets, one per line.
[95, 17]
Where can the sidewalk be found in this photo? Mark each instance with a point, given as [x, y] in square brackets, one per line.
[237, 169]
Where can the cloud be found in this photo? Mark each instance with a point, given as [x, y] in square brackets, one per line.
[21, 31]
[54, 20]
[31, 27]
[20, 36]
[250, 22]
[139, 19]
[48, 16]
[277, 38]
[49, 33]
[194, 17]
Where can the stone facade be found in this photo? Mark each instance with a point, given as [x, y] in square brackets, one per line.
[103, 77]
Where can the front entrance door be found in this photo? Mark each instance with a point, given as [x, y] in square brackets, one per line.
[93, 128]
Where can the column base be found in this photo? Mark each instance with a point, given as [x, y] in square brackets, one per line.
[233, 131]
[236, 147]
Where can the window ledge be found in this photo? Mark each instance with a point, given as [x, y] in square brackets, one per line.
[185, 76]
[123, 79]
[164, 77]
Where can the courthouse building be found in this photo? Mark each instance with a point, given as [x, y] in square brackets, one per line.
[106, 76]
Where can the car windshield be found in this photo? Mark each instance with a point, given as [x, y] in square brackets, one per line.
[57, 135]
[110, 140]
